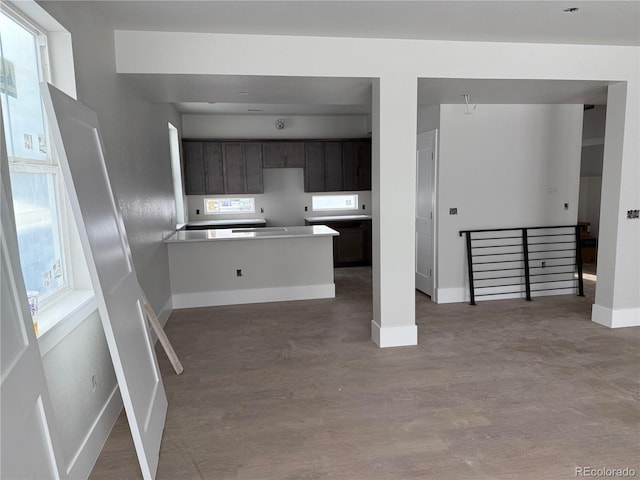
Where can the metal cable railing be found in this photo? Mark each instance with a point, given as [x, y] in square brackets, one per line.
[523, 260]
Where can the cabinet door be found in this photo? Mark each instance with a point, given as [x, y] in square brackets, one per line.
[294, 155]
[253, 167]
[214, 171]
[351, 247]
[233, 161]
[333, 166]
[356, 165]
[194, 176]
[273, 154]
[314, 177]
[350, 166]
[365, 165]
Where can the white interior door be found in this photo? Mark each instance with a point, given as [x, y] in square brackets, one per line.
[425, 187]
[79, 146]
[29, 445]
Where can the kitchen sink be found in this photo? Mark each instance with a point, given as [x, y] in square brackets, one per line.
[260, 230]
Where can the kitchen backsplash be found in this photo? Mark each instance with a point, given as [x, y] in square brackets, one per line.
[282, 203]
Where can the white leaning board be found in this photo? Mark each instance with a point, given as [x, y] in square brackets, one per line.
[77, 139]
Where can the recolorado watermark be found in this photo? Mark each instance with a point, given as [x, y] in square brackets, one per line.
[604, 472]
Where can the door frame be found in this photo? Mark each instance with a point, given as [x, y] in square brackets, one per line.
[421, 137]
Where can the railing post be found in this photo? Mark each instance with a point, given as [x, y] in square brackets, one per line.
[579, 261]
[525, 250]
[472, 297]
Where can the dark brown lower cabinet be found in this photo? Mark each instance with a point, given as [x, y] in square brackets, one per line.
[353, 246]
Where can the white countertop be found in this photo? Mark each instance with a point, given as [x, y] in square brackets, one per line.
[231, 221]
[182, 236]
[333, 218]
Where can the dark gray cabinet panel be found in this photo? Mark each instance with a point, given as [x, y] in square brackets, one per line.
[356, 165]
[213, 167]
[333, 166]
[234, 173]
[253, 167]
[334, 181]
[283, 154]
[314, 176]
[194, 174]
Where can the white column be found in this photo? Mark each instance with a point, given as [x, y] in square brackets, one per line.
[618, 287]
[394, 179]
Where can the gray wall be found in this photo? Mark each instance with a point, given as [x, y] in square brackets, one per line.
[503, 166]
[135, 135]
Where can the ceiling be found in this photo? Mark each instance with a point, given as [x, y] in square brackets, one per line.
[596, 22]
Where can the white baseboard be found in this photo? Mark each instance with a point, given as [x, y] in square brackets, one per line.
[85, 458]
[450, 295]
[394, 336]
[628, 317]
[255, 295]
[165, 313]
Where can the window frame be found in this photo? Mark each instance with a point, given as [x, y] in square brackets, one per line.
[63, 309]
[338, 209]
[209, 199]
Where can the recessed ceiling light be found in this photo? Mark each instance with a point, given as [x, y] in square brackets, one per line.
[570, 10]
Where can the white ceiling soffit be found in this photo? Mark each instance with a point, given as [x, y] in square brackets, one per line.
[196, 108]
[433, 91]
[230, 94]
[211, 94]
[595, 22]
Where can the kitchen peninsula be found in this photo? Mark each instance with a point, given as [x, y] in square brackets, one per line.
[250, 265]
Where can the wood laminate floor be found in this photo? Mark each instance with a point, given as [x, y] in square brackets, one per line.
[297, 390]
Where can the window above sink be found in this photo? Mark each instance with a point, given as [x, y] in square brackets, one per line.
[229, 205]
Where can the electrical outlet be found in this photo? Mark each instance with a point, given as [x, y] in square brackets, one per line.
[363, 206]
[566, 206]
[197, 211]
[261, 210]
[306, 209]
[544, 264]
[631, 214]
[453, 211]
[239, 272]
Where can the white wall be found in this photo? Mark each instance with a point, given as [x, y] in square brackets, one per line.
[135, 136]
[262, 126]
[503, 166]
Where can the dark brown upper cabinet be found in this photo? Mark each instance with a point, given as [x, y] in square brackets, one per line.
[334, 166]
[356, 165]
[203, 168]
[216, 168]
[283, 154]
[242, 167]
